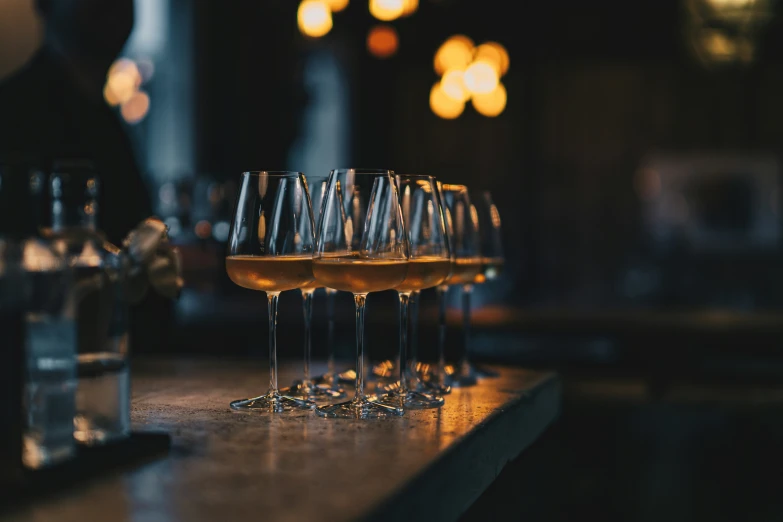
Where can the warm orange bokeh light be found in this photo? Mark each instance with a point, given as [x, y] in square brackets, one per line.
[122, 80]
[314, 18]
[203, 229]
[442, 105]
[454, 53]
[491, 104]
[387, 10]
[337, 5]
[495, 54]
[453, 84]
[125, 66]
[410, 7]
[382, 41]
[109, 95]
[134, 110]
[481, 77]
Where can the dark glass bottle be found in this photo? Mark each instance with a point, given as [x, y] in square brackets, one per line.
[39, 348]
[102, 400]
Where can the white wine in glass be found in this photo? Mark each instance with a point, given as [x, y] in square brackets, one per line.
[467, 262]
[270, 249]
[429, 266]
[361, 247]
[306, 387]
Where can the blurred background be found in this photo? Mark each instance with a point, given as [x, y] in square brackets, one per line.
[633, 152]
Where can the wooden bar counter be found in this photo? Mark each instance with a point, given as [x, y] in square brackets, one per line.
[228, 466]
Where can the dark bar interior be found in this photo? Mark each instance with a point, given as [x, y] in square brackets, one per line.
[620, 361]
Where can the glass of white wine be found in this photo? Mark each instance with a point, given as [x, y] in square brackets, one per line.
[429, 265]
[466, 265]
[270, 248]
[361, 247]
[306, 387]
[491, 250]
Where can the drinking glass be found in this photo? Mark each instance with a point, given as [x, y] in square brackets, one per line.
[491, 248]
[466, 265]
[361, 247]
[428, 266]
[270, 248]
[306, 387]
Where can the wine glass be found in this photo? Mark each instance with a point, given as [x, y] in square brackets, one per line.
[361, 247]
[491, 248]
[270, 248]
[423, 377]
[305, 387]
[466, 265]
[429, 265]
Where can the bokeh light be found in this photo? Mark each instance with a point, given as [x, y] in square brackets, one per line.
[337, 5]
[495, 54]
[443, 106]
[481, 77]
[387, 10]
[122, 81]
[314, 18]
[382, 41]
[134, 110]
[453, 84]
[410, 7]
[492, 103]
[127, 66]
[109, 95]
[454, 53]
[220, 231]
[203, 229]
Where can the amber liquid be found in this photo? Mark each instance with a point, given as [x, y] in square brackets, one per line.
[464, 271]
[359, 276]
[311, 287]
[270, 273]
[491, 269]
[424, 272]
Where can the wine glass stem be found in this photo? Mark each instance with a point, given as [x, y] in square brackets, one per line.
[272, 306]
[441, 294]
[404, 298]
[466, 291]
[307, 308]
[330, 365]
[360, 300]
[413, 319]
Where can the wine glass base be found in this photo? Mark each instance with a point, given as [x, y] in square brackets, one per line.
[461, 376]
[430, 387]
[272, 403]
[385, 370]
[359, 409]
[302, 390]
[349, 377]
[415, 385]
[412, 400]
[327, 378]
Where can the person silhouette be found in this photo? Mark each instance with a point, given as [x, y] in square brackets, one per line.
[52, 108]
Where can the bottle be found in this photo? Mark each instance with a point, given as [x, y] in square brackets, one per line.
[103, 388]
[38, 356]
